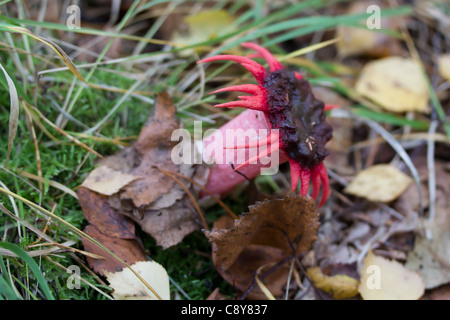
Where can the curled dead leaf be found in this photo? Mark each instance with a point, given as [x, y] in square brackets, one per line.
[266, 237]
[289, 224]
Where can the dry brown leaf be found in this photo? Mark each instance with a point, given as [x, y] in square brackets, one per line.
[99, 213]
[339, 286]
[383, 279]
[113, 230]
[138, 190]
[156, 202]
[396, 83]
[153, 148]
[382, 183]
[129, 287]
[289, 224]
[431, 254]
[107, 181]
[439, 293]
[216, 295]
[263, 238]
[241, 274]
[129, 250]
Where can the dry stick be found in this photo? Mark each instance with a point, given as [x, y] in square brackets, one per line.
[25, 223]
[78, 168]
[264, 275]
[43, 232]
[95, 276]
[223, 205]
[36, 146]
[291, 269]
[302, 269]
[92, 255]
[199, 211]
[51, 183]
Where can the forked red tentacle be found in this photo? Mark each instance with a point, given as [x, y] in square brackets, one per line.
[325, 183]
[247, 88]
[257, 71]
[315, 179]
[304, 180]
[255, 68]
[274, 64]
[296, 170]
[298, 75]
[272, 137]
[255, 103]
[270, 149]
[330, 107]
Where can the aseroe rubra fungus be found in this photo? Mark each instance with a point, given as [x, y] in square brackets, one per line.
[288, 104]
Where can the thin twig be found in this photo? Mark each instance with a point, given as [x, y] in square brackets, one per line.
[265, 275]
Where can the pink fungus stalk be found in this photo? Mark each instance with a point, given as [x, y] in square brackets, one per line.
[281, 100]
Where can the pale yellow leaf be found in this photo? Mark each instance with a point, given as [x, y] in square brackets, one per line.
[128, 287]
[355, 40]
[396, 83]
[203, 26]
[383, 279]
[382, 183]
[339, 286]
[444, 66]
[215, 20]
[107, 181]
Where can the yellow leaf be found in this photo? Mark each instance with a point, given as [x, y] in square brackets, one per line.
[396, 83]
[209, 23]
[444, 66]
[339, 286]
[107, 181]
[382, 183]
[128, 287]
[205, 25]
[356, 40]
[383, 279]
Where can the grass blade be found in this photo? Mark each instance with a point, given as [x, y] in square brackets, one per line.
[13, 113]
[33, 266]
[6, 291]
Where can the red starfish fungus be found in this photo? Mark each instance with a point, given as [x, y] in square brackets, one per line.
[288, 104]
